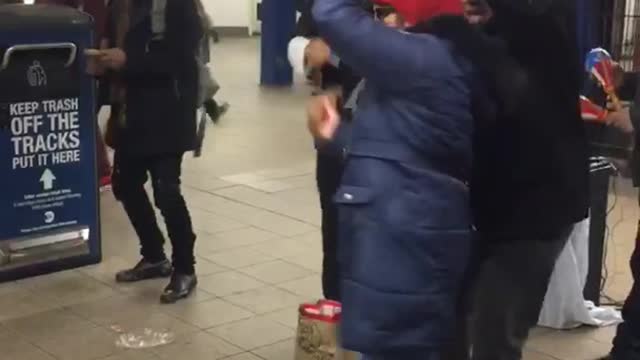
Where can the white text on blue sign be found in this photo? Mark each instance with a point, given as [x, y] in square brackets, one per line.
[45, 133]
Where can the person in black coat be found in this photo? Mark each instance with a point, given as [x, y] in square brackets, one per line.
[329, 164]
[626, 344]
[154, 75]
[531, 174]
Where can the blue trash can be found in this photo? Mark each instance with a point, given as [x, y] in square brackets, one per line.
[49, 202]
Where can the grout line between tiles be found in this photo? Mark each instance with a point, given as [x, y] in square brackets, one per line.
[237, 201]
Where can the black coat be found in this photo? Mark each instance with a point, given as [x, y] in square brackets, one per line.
[531, 167]
[161, 80]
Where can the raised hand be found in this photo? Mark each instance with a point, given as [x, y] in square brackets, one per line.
[323, 118]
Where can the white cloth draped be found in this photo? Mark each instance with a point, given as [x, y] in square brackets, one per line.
[564, 305]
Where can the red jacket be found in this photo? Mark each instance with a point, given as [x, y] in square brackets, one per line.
[96, 8]
[415, 11]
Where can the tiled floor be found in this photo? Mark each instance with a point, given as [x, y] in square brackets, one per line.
[254, 206]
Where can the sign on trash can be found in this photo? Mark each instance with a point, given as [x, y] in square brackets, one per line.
[49, 203]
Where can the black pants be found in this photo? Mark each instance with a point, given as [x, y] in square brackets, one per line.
[328, 175]
[130, 175]
[626, 345]
[501, 301]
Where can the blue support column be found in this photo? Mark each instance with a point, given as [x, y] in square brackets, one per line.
[278, 25]
[587, 22]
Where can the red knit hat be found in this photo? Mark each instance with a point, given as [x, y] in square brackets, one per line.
[415, 11]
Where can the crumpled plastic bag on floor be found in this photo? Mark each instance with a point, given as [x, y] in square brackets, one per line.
[564, 305]
[142, 339]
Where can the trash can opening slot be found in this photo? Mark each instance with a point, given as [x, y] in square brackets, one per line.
[63, 54]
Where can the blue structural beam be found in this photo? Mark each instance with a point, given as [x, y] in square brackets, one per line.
[278, 25]
[586, 23]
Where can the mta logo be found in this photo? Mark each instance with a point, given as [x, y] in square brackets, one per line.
[36, 75]
[49, 217]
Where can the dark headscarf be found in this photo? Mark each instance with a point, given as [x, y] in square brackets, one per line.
[498, 82]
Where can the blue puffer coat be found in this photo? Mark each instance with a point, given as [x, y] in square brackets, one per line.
[405, 222]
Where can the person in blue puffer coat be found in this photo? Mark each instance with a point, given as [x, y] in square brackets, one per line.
[405, 225]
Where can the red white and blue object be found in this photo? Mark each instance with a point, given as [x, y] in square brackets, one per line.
[591, 111]
[601, 66]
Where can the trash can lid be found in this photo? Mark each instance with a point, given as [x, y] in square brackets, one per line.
[25, 17]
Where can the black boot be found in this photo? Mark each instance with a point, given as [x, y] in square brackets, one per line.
[222, 109]
[145, 270]
[214, 110]
[180, 287]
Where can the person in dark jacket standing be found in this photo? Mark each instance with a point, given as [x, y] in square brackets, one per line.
[626, 344]
[329, 161]
[155, 76]
[333, 73]
[530, 181]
